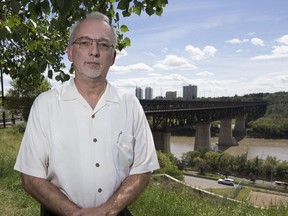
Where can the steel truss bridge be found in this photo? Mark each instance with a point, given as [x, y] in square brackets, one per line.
[166, 114]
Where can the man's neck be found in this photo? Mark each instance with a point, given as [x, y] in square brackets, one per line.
[91, 91]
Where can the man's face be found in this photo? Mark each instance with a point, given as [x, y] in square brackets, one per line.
[92, 58]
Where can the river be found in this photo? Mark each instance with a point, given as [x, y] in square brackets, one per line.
[254, 146]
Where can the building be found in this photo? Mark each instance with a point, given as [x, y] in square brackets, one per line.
[189, 92]
[139, 93]
[171, 95]
[148, 93]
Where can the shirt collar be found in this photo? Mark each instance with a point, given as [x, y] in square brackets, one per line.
[70, 92]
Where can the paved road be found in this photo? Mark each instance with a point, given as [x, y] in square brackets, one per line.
[203, 183]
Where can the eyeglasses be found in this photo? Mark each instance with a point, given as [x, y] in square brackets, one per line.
[103, 45]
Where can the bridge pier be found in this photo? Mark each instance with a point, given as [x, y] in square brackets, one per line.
[202, 136]
[225, 135]
[239, 131]
[162, 141]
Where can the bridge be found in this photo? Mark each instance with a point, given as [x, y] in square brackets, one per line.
[164, 115]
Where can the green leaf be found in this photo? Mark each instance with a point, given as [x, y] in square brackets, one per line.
[50, 74]
[126, 13]
[32, 45]
[159, 11]
[3, 33]
[31, 7]
[42, 66]
[123, 5]
[137, 11]
[58, 78]
[16, 6]
[17, 36]
[127, 41]
[64, 77]
[45, 7]
[124, 28]
[150, 11]
[51, 59]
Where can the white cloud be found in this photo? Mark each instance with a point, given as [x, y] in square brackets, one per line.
[164, 50]
[198, 54]
[149, 54]
[280, 50]
[277, 52]
[274, 81]
[257, 42]
[122, 53]
[131, 68]
[283, 39]
[173, 62]
[205, 73]
[237, 41]
[234, 41]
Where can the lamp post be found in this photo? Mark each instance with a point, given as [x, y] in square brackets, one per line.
[3, 105]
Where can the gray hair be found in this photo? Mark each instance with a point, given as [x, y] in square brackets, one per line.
[97, 16]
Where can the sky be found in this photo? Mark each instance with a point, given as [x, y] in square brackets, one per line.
[225, 47]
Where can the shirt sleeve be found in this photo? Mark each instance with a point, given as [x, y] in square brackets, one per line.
[145, 158]
[32, 158]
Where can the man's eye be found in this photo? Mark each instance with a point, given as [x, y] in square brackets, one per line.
[103, 45]
[84, 43]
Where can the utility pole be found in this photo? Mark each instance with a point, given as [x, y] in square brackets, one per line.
[3, 104]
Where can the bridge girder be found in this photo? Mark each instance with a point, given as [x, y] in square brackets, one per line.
[171, 114]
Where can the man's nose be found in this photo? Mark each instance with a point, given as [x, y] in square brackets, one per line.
[94, 49]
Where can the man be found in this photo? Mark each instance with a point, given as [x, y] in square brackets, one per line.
[87, 148]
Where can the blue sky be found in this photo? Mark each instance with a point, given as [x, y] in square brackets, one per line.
[225, 47]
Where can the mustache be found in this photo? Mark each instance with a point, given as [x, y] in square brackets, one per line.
[93, 62]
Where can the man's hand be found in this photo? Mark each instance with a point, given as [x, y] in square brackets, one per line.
[128, 192]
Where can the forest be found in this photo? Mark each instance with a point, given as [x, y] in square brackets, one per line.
[274, 124]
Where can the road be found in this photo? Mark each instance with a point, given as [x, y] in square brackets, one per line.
[203, 183]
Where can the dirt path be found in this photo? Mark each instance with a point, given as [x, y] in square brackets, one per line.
[265, 199]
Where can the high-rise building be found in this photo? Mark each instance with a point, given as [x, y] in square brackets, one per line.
[148, 93]
[189, 92]
[139, 93]
[171, 95]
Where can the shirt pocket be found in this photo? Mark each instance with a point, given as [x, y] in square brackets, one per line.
[125, 151]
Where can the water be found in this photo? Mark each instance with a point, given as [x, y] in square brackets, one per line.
[255, 147]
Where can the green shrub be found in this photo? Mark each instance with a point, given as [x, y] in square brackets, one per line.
[167, 166]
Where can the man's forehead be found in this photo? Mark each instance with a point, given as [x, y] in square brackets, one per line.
[93, 26]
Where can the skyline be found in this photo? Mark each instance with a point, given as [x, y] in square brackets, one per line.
[223, 47]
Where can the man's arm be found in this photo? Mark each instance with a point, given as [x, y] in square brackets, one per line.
[48, 195]
[128, 192]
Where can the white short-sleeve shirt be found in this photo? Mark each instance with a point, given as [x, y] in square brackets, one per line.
[86, 153]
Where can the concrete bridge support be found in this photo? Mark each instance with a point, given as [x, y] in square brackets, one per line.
[225, 135]
[239, 131]
[202, 136]
[162, 141]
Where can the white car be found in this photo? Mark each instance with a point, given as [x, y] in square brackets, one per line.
[226, 181]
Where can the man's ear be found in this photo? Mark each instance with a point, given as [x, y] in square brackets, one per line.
[69, 53]
[114, 57]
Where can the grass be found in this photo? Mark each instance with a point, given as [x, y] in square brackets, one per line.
[162, 197]
[13, 200]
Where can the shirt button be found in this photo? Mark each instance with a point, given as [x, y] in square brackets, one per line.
[99, 190]
[97, 164]
[94, 140]
[93, 116]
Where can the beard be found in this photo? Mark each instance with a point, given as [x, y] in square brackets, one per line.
[93, 70]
